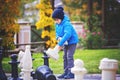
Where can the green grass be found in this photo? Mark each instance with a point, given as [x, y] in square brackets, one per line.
[5, 64]
[91, 60]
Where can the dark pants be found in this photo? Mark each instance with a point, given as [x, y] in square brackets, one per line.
[68, 57]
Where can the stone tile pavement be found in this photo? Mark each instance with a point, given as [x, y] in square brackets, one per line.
[86, 77]
[93, 77]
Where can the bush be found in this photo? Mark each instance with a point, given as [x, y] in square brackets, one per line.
[93, 40]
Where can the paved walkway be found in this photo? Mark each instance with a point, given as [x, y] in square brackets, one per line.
[86, 77]
[93, 77]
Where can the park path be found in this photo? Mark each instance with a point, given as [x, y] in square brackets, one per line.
[86, 77]
[93, 77]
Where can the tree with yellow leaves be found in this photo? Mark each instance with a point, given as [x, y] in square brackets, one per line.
[46, 23]
[9, 12]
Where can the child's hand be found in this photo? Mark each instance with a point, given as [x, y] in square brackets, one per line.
[59, 39]
[59, 47]
[65, 43]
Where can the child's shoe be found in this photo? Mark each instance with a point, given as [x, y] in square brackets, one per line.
[62, 76]
[69, 76]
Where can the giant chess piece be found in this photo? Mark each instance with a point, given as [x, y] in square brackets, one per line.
[109, 68]
[14, 67]
[78, 69]
[53, 53]
[46, 58]
[2, 74]
[20, 59]
[44, 73]
[27, 64]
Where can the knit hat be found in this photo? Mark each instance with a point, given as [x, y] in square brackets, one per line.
[58, 13]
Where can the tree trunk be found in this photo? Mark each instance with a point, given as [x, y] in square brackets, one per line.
[90, 10]
[52, 3]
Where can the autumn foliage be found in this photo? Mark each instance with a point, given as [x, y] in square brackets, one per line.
[9, 12]
[46, 23]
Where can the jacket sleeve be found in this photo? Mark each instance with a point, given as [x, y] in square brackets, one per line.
[66, 36]
[56, 34]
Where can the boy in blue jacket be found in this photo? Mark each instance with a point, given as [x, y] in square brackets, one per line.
[66, 33]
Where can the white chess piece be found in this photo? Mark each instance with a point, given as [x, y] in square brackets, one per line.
[53, 53]
[78, 69]
[20, 59]
[27, 64]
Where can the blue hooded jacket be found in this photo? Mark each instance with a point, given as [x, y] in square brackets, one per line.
[66, 31]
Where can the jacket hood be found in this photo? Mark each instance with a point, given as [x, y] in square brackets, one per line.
[66, 18]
